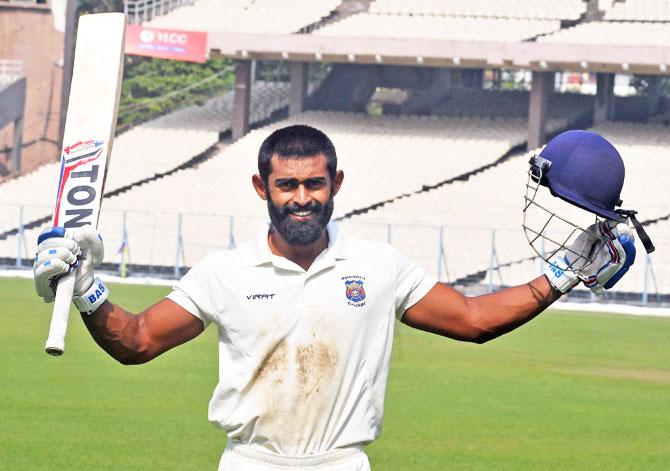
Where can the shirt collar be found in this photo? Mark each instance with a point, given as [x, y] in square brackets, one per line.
[339, 246]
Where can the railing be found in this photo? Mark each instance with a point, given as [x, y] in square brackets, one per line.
[166, 244]
[139, 11]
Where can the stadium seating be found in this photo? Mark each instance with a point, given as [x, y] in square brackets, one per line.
[383, 158]
[388, 164]
[649, 271]
[537, 9]
[143, 151]
[437, 187]
[644, 149]
[639, 10]
[247, 16]
[216, 113]
[470, 102]
[629, 33]
[439, 27]
[470, 210]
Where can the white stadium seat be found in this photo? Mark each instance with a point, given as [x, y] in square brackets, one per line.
[439, 27]
[537, 9]
[629, 33]
[639, 10]
[246, 16]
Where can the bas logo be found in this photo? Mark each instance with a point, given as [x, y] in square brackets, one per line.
[98, 293]
[557, 271]
[355, 292]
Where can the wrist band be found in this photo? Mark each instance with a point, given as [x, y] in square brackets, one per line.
[91, 300]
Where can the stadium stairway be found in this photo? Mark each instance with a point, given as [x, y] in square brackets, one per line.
[346, 88]
[344, 10]
[349, 87]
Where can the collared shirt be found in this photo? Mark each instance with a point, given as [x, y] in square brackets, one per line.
[303, 355]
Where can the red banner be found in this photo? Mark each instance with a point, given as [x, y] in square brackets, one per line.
[190, 46]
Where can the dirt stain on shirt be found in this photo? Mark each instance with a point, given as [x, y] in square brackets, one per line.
[298, 386]
[272, 369]
[315, 367]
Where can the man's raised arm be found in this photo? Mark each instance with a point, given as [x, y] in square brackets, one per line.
[478, 319]
[447, 312]
[128, 338]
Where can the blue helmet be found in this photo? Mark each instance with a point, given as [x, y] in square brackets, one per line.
[582, 168]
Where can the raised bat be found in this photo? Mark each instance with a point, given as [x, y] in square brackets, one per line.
[87, 142]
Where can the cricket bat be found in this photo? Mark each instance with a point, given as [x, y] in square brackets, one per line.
[87, 142]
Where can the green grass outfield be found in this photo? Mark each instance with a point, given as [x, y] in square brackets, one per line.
[567, 391]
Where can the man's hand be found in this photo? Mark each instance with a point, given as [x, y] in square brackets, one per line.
[59, 251]
[612, 251]
[126, 337]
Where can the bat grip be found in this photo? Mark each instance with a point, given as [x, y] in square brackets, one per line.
[55, 345]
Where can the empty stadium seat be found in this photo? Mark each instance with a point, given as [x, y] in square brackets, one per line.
[627, 33]
[639, 10]
[537, 9]
[439, 27]
[246, 16]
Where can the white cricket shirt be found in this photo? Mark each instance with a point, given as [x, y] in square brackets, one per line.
[303, 355]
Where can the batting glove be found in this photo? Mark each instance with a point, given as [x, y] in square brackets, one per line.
[612, 251]
[60, 250]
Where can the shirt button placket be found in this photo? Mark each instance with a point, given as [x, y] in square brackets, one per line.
[302, 295]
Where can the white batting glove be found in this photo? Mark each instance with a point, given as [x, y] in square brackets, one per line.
[611, 250]
[60, 251]
[612, 261]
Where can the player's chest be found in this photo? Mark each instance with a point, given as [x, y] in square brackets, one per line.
[340, 298]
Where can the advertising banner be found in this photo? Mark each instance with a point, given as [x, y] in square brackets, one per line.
[190, 46]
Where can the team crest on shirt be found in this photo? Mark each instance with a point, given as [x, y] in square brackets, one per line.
[355, 291]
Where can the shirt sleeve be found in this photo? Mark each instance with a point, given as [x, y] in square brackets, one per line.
[193, 293]
[412, 284]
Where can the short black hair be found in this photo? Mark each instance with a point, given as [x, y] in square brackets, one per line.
[296, 141]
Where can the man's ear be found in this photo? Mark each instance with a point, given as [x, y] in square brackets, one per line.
[259, 186]
[337, 182]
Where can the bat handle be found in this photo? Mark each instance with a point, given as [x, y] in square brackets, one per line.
[56, 342]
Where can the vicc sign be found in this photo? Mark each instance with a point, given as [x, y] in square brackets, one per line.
[190, 46]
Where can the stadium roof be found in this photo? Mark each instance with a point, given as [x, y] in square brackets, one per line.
[443, 53]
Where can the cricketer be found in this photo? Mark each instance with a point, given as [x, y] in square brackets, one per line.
[305, 314]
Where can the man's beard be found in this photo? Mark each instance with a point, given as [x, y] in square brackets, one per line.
[300, 232]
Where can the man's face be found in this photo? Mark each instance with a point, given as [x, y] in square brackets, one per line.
[300, 195]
